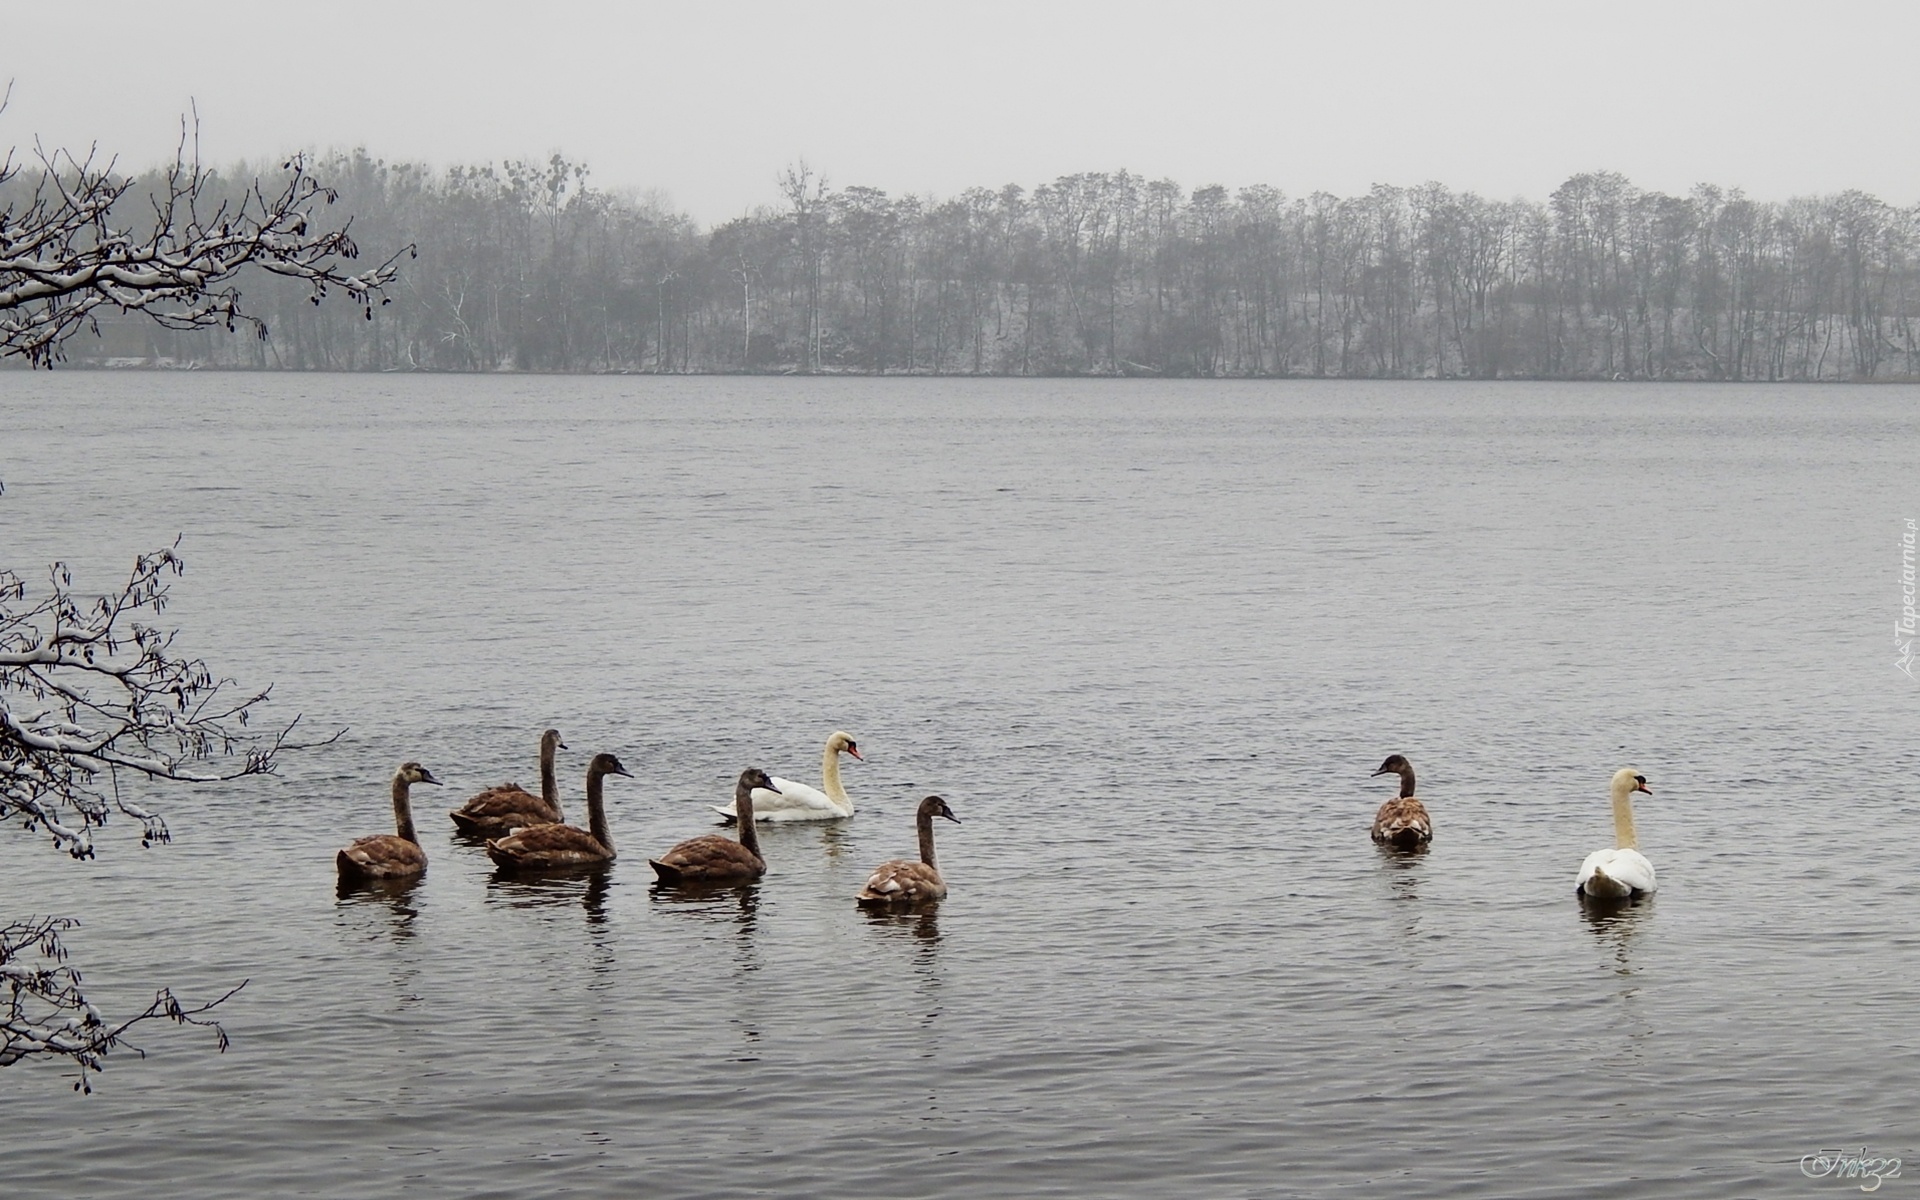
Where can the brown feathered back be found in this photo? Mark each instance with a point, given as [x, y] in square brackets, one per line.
[554, 845]
[903, 881]
[1402, 822]
[507, 807]
[382, 856]
[503, 809]
[711, 859]
[390, 855]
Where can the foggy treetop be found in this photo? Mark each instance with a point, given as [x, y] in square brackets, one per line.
[526, 266]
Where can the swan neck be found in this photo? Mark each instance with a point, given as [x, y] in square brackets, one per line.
[1406, 783]
[1623, 835]
[549, 786]
[925, 821]
[403, 811]
[597, 810]
[830, 778]
[743, 814]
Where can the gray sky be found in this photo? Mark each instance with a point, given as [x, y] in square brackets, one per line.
[707, 102]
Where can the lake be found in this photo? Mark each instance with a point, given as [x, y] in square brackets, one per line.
[1149, 639]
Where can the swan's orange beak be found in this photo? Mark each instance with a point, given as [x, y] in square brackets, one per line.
[1642, 787]
[855, 753]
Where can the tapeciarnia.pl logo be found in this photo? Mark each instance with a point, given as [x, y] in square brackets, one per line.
[1903, 629]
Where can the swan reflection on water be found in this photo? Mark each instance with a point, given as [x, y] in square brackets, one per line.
[371, 908]
[916, 930]
[1400, 862]
[738, 904]
[718, 908]
[1614, 922]
[584, 886]
[920, 926]
[394, 897]
[1400, 866]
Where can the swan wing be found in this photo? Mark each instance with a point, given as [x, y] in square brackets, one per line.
[506, 800]
[548, 846]
[381, 856]
[902, 881]
[793, 802]
[1615, 874]
[502, 810]
[708, 859]
[1403, 821]
[1632, 868]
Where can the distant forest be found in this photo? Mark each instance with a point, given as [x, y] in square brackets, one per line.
[526, 267]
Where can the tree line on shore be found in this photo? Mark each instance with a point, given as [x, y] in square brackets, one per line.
[529, 267]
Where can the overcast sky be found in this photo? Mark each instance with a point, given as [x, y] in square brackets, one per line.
[706, 102]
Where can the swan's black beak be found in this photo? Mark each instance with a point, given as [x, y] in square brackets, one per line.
[426, 776]
[949, 816]
[621, 771]
[1381, 771]
[559, 745]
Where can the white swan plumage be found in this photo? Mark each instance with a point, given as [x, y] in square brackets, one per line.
[1621, 872]
[801, 802]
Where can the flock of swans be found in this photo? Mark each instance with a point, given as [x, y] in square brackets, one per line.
[525, 832]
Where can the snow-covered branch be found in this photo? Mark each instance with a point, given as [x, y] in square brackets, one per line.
[68, 247]
[45, 1013]
[89, 694]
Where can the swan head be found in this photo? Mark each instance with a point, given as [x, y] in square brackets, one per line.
[606, 764]
[550, 741]
[842, 743]
[1627, 780]
[754, 777]
[413, 772]
[1396, 764]
[934, 806]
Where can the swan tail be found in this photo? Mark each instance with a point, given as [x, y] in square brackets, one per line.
[1403, 823]
[1602, 886]
[727, 815]
[666, 872]
[463, 822]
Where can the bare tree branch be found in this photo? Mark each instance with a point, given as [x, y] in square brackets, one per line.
[45, 1012]
[87, 690]
[65, 253]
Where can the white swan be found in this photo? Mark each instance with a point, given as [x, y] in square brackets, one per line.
[1622, 871]
[797, 801]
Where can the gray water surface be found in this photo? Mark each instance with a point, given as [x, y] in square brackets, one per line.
[1149, 639]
